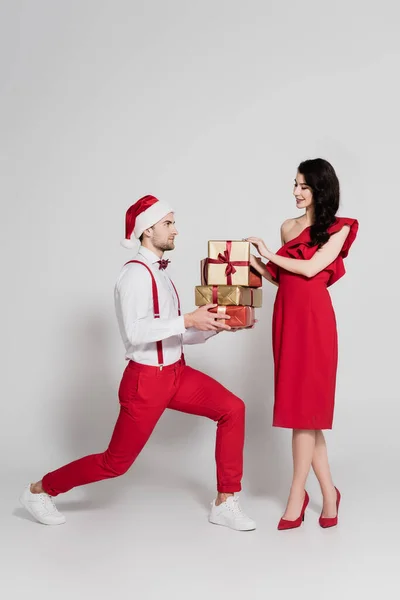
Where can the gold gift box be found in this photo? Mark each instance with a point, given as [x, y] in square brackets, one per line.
[228, 263]
[228, 295]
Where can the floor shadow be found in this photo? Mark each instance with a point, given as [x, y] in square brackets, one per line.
[21, 513]
[62, 505]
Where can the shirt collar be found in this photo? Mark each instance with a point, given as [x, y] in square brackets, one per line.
[148, 255]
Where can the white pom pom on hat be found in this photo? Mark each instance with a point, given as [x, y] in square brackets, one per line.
[128, 244]
[145, 213]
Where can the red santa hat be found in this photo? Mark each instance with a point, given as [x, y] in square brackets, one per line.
[145, 213]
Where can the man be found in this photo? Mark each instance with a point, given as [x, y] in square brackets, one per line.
[156, 377]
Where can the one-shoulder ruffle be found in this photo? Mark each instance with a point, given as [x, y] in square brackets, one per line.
[298, 248]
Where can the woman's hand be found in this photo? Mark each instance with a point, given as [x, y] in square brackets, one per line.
[257, 264]
[261, 247]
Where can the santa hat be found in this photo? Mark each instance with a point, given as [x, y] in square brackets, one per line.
[145, 213]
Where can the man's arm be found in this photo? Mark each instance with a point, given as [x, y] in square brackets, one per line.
[194, 336]
[135, 298]
[134, 293]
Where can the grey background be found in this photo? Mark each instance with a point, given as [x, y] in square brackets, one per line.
[209, 106]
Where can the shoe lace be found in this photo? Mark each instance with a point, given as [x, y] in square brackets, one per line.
[48, 503]
[235, 507]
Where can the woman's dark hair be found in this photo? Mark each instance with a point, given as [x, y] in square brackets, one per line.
[320, 176]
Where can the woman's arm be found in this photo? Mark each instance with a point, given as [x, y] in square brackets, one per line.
[308, 268]
[259, 266]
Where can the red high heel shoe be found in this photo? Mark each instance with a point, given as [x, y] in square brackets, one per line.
[326, 522]
[285, 524]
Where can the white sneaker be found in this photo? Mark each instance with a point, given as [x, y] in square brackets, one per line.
[230, 514]
[42, 507]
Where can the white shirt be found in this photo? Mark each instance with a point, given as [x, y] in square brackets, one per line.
[135, 314]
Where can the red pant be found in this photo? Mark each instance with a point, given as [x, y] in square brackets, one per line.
[145, 392]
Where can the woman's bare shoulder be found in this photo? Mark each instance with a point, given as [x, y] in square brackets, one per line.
[290, 228]
[288, 224]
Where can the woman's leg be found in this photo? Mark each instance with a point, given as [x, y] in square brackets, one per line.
[320, 465]
[303, 447]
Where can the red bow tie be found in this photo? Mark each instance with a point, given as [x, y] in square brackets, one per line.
[163, 263]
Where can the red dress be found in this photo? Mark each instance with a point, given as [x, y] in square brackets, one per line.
[304, 336]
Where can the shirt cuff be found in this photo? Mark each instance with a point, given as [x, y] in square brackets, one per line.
[178, 325]
[209, 334]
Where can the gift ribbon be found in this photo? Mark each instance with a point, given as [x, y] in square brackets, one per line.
[221, 310]
[225, 258]
[248, 311]
[205, 277]
[214, 298]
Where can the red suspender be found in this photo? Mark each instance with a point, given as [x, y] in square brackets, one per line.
[179, 302]
[179, 305]
[156, 306]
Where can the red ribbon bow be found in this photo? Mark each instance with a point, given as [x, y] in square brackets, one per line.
[225, 257]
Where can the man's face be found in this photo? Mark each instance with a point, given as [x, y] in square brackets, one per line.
[163, 233]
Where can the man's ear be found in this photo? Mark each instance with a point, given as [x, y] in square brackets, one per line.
[147, 232]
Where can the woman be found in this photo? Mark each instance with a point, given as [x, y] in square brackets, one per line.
[304, 330]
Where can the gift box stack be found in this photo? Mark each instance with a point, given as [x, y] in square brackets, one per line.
[227, 279]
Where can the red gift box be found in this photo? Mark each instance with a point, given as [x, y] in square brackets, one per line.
[240, 316]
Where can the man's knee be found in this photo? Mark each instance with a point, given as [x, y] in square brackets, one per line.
[236, 407]
[239, 406]
[113, 467]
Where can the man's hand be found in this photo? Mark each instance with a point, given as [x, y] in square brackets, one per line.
[203, 320]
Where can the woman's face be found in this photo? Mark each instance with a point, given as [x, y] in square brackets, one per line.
[302, 192]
